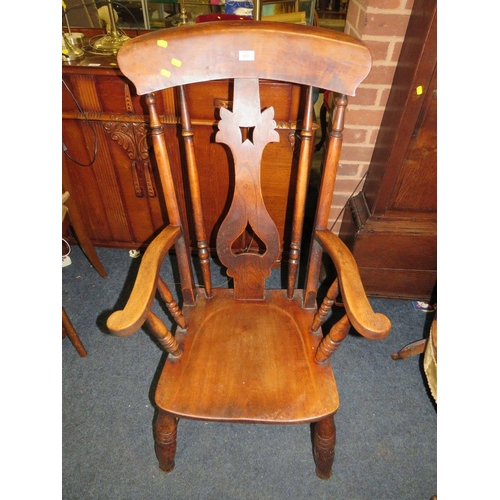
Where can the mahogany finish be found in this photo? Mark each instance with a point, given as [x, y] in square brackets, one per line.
[246, 353]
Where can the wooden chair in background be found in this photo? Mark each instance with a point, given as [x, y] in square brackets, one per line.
[71, 217]
[428, 347]
[246, 353]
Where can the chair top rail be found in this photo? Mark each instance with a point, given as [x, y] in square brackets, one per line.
[266, 50]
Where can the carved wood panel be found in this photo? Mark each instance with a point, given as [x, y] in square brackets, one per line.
[247, 131]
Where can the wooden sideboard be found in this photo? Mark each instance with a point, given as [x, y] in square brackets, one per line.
[110, 161]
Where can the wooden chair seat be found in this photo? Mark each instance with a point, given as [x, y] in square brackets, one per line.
[248, 362]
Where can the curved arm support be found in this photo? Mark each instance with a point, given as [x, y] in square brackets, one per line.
[371, 325]
[131, 318]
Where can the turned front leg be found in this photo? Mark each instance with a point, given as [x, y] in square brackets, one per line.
[324, 446]
[166, 440]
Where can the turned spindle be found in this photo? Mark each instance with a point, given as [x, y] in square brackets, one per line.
[331, 342]
[171, 304]
[161, 332]
[326, 306]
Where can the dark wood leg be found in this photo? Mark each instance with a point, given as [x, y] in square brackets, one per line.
[417, 347]
[69, 330]
[78, 224]
[324, 446]
[166, 440]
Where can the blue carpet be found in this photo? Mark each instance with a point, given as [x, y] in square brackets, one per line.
[386, 424]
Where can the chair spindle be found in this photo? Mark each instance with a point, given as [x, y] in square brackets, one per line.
[326, 306]
[325, 198]
[167, 182]
[194, 184]
[163, 335]
[301, 193]
[171, 304]
[332, 340]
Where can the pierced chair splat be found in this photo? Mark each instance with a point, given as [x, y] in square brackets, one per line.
[247, 353]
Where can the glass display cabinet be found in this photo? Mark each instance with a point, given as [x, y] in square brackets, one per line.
[158, 14]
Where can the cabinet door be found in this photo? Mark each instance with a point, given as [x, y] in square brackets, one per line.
[416, 186]
[108, 160]
[391, 226]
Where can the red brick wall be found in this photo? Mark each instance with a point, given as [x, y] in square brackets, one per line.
[381, 25]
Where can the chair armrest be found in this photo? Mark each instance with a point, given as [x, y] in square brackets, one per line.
[371, 325]
[131, 318]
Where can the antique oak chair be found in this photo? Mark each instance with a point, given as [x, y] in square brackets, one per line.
[246, 353]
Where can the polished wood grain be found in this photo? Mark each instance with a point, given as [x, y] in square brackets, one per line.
[324, 436]
[372, 325]
[194, 183]
[133, 316]
[332, 340]
[247, 209]
[166, 440]
[328, 178]
[307, 140]
[170, 65]
[267, 348]
[246, 353]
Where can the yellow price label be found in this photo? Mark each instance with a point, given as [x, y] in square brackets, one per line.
[420, 90]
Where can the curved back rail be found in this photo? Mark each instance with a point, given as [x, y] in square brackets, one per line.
[319, 57]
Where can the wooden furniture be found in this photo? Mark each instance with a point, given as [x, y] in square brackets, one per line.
[391, 226]
[246, 353]
[68, 330]
[71, 217]
[428, 347]
[113, 171]
[77, 223]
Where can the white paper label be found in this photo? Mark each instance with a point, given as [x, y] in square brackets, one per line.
[246, 55]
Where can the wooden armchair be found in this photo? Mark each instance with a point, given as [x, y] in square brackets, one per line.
[246, 353]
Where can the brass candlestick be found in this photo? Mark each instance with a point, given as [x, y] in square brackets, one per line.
[110, 43]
